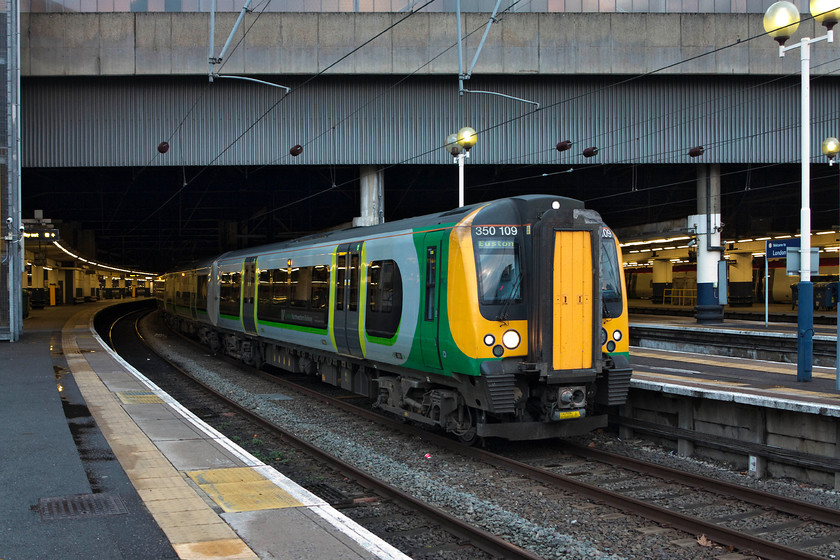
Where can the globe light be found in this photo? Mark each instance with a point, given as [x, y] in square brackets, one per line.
[467, 138]
[452, 145]
[827, 12]
[831, 147]
[781, 21]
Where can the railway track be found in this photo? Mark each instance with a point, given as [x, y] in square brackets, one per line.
[395, 516]
[758, 544]
[580, 476]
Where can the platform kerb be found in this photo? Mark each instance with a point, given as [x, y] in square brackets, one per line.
[762, 434]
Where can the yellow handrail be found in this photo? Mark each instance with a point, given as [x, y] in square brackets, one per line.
[680, 296]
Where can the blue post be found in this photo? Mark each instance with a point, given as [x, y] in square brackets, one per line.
[805, 344]
[708, 310]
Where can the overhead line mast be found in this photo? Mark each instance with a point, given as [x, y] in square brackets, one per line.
[214, 60]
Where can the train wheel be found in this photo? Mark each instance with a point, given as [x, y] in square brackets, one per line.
[214, 342]
[466, 431]
[470, 437]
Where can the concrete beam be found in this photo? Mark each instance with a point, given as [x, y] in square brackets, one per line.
[118, 44]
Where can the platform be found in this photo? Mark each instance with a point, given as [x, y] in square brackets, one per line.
[734, 385]
[101, 464]
[775, 312]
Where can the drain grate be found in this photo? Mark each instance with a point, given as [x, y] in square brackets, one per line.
[81, 505]
[329, 494]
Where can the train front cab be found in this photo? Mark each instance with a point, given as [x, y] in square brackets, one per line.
[575, 368]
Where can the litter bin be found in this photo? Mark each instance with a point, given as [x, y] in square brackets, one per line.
[825, 295]
[38, 298]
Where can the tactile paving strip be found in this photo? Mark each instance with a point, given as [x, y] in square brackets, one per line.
[242, 489]
[139, 397]
[81, 505]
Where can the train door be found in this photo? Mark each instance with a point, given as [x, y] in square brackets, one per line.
[249, 291]
[347, 296]
[213, 294]
[572, 313]
[193, 283]
[429, 340]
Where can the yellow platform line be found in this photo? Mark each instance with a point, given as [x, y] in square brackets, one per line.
[139, 397]
[734, 363]
[780, 390]
[792, 390]
[194, 529]
[683, 378]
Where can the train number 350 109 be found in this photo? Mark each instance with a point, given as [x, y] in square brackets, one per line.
[495, 230]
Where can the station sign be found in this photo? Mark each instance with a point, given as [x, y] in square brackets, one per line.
[789, 249]
[41, 233]
[779, 249]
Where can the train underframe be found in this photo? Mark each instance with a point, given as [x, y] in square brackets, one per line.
[503, 402]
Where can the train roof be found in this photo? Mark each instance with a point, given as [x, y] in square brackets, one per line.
[447, 217]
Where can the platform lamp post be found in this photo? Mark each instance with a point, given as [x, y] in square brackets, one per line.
[780, 22]
[831, 147]
[458, 144]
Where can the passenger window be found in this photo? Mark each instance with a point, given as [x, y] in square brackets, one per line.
[279, 286]
[384, 299]
[295, 296]
[201, 298]
[301, 279]
[340, 276]
[229, 294]
[320, 293]
[353, 303]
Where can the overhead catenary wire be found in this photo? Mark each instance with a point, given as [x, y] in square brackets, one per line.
[271, 108]
[373, 99]
[617, 132]
[610, 86]
[302, 85]
[497, 125]
[594, 92]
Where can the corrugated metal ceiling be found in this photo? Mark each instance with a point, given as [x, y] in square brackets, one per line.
[114, 122]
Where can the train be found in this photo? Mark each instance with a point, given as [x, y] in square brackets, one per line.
[503, 319]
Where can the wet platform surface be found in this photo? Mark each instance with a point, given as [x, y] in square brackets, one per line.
[101, 464]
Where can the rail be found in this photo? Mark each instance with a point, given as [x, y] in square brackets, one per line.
[496, 546]
[722, 535]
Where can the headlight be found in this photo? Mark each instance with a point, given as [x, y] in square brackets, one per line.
[489, 339]
[617, 335]
[511, 339]
[603, 336]
[610, 346]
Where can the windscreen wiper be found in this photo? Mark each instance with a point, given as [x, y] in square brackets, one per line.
[503, 314]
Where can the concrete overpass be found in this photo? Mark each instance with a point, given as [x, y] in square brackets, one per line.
[304, 44]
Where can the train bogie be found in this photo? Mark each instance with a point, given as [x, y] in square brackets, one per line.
[505, 319]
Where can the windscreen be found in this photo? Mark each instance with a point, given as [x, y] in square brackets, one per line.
[610, 276]
[499, 273]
